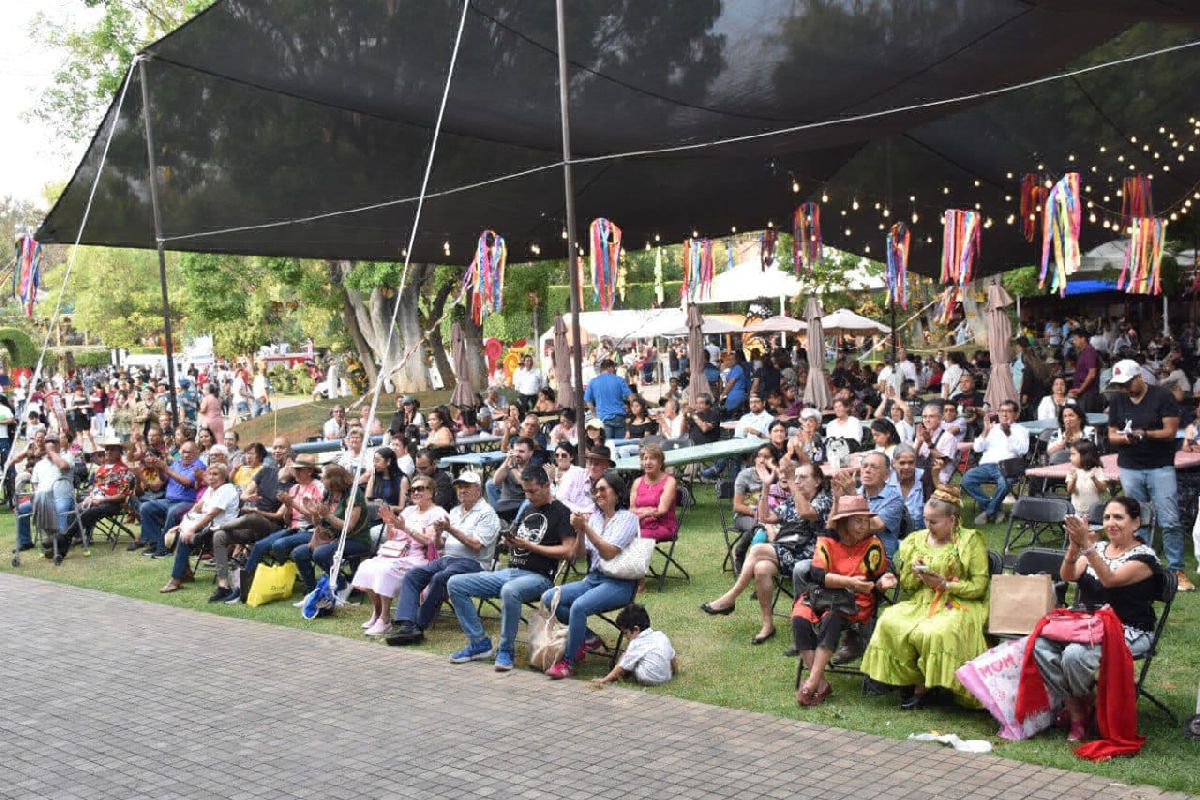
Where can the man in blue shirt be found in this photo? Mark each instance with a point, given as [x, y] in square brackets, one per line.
[606, 395]
[183, 477]
[883, 498]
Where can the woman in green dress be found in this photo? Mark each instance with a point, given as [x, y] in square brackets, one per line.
[923, 640]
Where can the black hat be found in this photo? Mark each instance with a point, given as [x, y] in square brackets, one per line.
[601, 453]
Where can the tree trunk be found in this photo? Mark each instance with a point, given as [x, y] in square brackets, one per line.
[373, 314]
[336, 274]
[476, 361]
[437, 344]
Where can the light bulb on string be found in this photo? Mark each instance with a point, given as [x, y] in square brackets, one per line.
[843, 212]
[824, 197]
[848, 231]
[945, 190]
[1049, 183]
[1010, 219]
[696, 234]
[912, 198]
[1008, 198]
[564, 233]
[1103, 149]
[882, 226]
[854, 204]
[1008, 175]
[976, 182]
[796, 186]
[915, 218]
[878, 206]
[1092, 217]
[1133, 139]
[657, 238]
[1174, 217]
[1071, 157]
[866, 248]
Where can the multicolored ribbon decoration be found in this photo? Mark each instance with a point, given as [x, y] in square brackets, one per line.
[27, 271]
[898, 240]
[1137, 199]
[658, 280]
[766, 249]
[950, 300]
[807, 247]
[697, 269]
[1143, 256]
[730, 255]
[484, 281]
[1033, 195]
[606, 256]
[1060, 227]
[960, 245]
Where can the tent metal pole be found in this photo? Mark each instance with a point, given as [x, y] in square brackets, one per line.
[158, 240]
[572, 246]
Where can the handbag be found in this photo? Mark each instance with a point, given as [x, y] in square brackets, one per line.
[272, 583]
[547, 636]
[631, 563]
[394, 548]
[839, 601]
[1073, 628]
[1017, 602]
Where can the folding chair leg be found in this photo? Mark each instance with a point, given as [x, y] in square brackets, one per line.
[1171, 714]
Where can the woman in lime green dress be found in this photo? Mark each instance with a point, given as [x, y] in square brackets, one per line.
[923, 640]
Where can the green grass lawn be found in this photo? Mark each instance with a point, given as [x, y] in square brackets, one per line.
[719, 665]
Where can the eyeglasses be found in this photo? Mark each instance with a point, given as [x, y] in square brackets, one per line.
[421, 488]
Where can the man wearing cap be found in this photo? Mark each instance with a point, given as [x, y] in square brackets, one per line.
[1142, 423]
[606, 394]
[505, 492]
[51, 475]
[112, 484]
[539, 540]
[469, 535]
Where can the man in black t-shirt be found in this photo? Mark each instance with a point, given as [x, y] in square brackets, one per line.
[1142, 423]
[704, 421]
[540, 538]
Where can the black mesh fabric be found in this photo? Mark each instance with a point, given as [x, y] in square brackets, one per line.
[270, 110]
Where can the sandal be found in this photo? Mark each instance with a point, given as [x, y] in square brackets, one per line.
[172, 586]
[822, 695]
[804, 696]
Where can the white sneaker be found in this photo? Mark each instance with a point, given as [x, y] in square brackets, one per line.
[369, 623]
[379, 628]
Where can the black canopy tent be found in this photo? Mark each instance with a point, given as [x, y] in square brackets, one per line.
[266, 111]
[283, 127]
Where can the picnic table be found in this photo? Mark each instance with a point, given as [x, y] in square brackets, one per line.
[697, 453]
[1183, 460]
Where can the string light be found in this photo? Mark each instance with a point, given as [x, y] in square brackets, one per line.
[796, 186]
[854, 204]
[848, 231]
[1008, 175]
[915, 218]
[657, 238]
[1010, 219]
[945, 190]
[824, 197]
[977, 182]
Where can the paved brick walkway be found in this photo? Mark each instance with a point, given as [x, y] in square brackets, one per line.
[111, 697]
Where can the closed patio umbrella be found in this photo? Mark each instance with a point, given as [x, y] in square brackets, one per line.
[562, 366]
[816, 388]
[697, 356]
[999, 330]
[464, 395]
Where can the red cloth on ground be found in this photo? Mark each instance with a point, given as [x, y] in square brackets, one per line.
[1116, 691]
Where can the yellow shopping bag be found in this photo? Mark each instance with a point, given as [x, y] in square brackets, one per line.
[272, 583]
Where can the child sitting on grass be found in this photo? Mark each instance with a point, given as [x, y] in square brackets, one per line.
[649, 656]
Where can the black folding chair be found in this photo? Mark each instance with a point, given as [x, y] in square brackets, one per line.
[1170, 585]
[1038, 518]
[666, 547]
[1043, 561]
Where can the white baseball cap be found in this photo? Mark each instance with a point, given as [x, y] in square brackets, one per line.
[1124, 371]
[467, 476]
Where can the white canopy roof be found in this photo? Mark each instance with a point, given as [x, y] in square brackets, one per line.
[622, 324]
[749, 281]
[846, 321]
[774, 324]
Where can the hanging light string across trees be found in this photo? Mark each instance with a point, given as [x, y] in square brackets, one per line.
[1060, 231]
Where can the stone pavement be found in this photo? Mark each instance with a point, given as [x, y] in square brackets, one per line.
[112, 697]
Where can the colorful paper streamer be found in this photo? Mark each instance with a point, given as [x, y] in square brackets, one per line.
[1141, 273]
[960, 245]
[1033, 195]
[1137, 199]
[898, 240]
[27, 271]
[605, 240]
[1060, 230]
[484, 281]
[807, 249]
[766, 252]
[697, 270]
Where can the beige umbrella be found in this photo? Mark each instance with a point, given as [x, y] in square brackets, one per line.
[999, 330]
[816, 388]
[697, 356]
[464, 395]
[562, 366]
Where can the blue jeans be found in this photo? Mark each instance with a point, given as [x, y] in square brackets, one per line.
[261, 408]
[159, 516]
[614, 428]
[972, 484]
[433, 575]
[512, 586]
[62, 505]
[577, 601]
[1158, 487]
[305, 557]
[267, 544]
[183, 552]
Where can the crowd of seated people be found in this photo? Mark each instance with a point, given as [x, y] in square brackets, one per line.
[925, 449]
